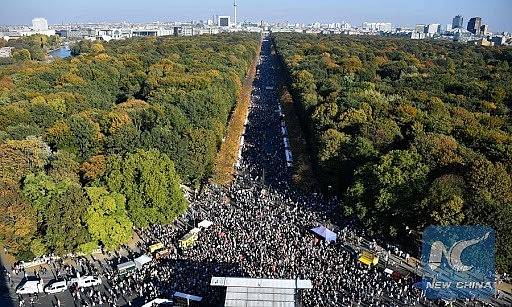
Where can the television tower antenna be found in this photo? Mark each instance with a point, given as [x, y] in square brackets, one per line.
[234, 9]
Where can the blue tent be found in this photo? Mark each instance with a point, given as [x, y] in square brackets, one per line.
[325, 233]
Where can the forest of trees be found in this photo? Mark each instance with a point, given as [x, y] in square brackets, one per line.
[410, 133]
[97, 144]
[34, 47]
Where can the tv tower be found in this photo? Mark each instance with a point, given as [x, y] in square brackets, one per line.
[234, 9]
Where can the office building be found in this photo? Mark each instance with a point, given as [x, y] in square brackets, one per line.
[499, 40]
[39, 24]
[484, 29]
[458, 22]
[375, 26]
[474, 25]
[224, 21]
[419, 28]
[433, 28]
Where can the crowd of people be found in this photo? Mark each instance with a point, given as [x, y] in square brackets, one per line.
[261, 229]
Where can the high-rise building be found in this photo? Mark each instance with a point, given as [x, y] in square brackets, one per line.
[474, 25]
[419, 28]
[484, 29]
[433, 28]
[39, 24]
[224, 21]
[458, 22]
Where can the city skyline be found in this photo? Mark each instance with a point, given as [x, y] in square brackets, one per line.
[398, 12]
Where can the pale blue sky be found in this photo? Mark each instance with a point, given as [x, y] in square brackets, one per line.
[496, 13]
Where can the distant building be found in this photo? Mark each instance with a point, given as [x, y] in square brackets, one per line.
[152, 32]
[6, 52]
[419, 28]
[39, 24]
[224, 21]
[417, 35]
[462, 36]
[458, 22]
[484, 29]
[75, 33]
[474, 25]
[377, 26]
[499, 40]
[433, 28]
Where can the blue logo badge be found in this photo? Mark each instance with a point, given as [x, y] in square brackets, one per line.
[458, 262]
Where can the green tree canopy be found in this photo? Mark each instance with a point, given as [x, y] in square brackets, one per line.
[151, 186]
[106, 218]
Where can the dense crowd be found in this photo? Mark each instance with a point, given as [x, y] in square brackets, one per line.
[261, 229]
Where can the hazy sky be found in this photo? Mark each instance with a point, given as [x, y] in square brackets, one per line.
[496, 13]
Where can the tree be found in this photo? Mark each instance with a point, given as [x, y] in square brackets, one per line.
[352, 64]
[490, 203]
[21, 55]
[151, 186]
[106, 218]
[19, 157]
[64, 167]
[444, 203]
[438, 150]
[18, 222]
[38, 248]
[85, 137]
[331, 142]
[65, 217]
[93, 168]
[39, 190]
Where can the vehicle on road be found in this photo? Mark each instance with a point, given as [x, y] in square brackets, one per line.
[31, 287]
[56, 287]
[125, 267]
[85, 281]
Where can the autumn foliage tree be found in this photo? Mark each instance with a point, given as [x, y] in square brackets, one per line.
[409, 133]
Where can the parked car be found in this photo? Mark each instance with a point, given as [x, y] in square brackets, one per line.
[31, 287]
[85, 281]
[56, 287]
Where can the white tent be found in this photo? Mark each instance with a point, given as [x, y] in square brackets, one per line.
[141, 261]
[205, 224]
[188, 297]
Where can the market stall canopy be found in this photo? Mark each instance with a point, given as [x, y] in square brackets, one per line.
[141, 261]
[205, 224]
[368, 258]
[325, 233]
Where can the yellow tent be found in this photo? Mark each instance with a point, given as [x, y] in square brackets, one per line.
[368, 258]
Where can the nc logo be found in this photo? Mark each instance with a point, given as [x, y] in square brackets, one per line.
[453, 255]
[458, 262]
